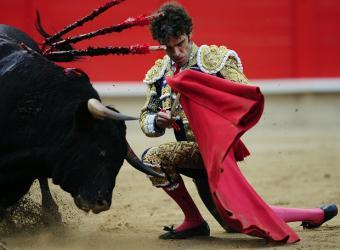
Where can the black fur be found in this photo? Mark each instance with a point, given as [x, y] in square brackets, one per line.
[46, 130]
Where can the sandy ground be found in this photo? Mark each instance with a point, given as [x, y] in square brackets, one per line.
[291, 165]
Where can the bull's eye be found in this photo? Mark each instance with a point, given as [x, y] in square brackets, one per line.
[102, 153]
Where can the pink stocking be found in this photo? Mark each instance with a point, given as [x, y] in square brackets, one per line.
[192, 216]
[313, 215]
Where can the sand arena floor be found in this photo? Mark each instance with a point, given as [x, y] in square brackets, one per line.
[292, 164]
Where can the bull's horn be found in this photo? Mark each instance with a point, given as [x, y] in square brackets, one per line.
[138, 164]
[99, 111]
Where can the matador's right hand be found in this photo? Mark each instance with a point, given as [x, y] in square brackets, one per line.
[164, 119]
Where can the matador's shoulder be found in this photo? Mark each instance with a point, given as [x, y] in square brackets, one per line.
[157, 71]
[211, 59]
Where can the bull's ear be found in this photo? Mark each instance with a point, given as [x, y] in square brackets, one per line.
[83, 119]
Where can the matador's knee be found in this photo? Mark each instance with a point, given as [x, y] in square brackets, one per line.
[156, 159]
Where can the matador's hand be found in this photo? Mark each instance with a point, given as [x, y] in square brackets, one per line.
[164, 119]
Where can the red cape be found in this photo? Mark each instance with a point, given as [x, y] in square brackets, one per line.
[219, 112]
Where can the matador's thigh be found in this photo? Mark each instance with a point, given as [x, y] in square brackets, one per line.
[170, 158]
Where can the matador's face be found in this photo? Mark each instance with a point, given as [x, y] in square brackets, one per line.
[178, 49]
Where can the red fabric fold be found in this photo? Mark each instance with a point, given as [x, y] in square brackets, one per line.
[220, 112]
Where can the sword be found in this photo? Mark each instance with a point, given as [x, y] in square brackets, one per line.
[175, 104]
[173, 109]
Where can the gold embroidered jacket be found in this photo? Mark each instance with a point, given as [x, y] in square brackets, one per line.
[213, 60]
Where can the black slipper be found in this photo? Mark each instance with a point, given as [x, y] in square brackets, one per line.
[330, 211]
[201, 230]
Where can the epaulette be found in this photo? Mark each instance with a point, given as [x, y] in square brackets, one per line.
[211, 59]
[157, 71]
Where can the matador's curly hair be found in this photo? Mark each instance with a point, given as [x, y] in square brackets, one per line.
[173, 23]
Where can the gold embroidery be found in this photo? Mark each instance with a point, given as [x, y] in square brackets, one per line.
[170, 157]
[166, 102]
[193, 56]
[157, 71]
[231, 72]
[212, 58]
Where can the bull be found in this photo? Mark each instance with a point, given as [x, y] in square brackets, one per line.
[53, 125]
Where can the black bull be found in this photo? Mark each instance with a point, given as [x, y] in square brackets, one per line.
[47, 129]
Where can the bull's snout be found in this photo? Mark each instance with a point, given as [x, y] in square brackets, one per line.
[99, 205]
[103, 202]
[81, 204]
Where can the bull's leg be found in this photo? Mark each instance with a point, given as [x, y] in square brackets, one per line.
[9, 195]
[50, 212]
